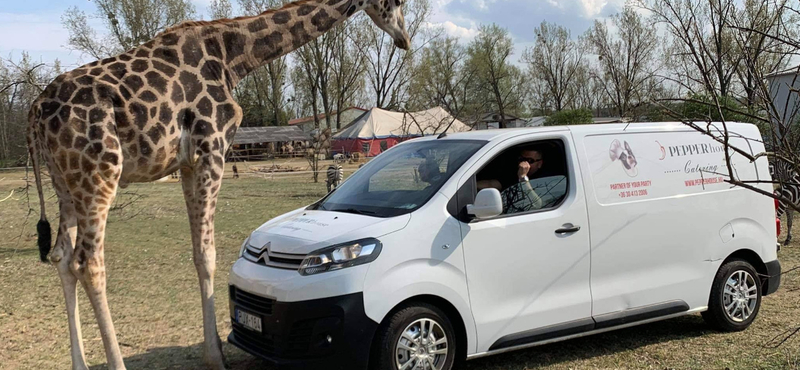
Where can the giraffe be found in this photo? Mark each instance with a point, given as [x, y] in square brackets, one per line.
[141, 115]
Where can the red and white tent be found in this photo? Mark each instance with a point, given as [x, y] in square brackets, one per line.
[378, 130]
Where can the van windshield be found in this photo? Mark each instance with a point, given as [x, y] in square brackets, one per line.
[400, 180]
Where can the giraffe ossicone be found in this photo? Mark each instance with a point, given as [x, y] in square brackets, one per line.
[155, 109]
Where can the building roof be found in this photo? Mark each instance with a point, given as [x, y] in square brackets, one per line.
[495, 117]
[534, 121]
[786, 72]
[321, 116]
[269, 134]
[606, 120]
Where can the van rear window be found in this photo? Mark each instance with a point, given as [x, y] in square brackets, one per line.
[628, 167]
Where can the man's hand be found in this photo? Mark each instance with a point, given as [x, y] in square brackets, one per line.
[523, 169]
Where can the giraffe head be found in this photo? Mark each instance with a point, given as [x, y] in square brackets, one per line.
[388, 16]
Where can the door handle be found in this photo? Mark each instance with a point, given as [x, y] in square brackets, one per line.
[568, 229]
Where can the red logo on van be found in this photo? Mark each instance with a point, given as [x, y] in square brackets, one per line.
[663, 151]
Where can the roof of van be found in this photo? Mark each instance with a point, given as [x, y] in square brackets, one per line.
[500, 134]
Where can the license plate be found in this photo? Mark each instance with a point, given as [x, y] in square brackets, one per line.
[249, 320]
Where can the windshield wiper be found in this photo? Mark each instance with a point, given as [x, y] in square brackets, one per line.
[355, 211]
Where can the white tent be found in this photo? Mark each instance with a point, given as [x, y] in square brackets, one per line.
[378, 129]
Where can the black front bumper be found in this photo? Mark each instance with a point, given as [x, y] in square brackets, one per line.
[295, 335]
[773, 279]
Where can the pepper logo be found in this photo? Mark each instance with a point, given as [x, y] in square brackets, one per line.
[663, 151]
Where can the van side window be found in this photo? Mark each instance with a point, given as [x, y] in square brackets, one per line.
[530, 177]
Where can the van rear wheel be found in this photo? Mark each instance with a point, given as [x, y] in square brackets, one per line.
[419, 336]
[735, 297]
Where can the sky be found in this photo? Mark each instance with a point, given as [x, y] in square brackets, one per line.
[35, 25]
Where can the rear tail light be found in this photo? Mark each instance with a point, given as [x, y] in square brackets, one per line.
[777, 204]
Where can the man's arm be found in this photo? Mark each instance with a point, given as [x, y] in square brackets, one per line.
[530, 195]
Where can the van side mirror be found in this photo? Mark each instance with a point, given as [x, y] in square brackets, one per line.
[488, 204]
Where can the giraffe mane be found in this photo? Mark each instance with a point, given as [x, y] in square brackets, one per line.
[190, 24]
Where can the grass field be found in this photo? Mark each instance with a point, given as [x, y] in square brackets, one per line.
[154, 296]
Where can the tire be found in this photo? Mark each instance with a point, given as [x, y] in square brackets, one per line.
[743, 301]
[413, 319]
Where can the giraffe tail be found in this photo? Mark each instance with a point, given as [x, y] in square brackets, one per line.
[44, 239]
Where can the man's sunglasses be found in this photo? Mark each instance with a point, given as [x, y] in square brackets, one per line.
[529, 160]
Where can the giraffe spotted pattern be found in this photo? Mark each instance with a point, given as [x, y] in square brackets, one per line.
[141, 115]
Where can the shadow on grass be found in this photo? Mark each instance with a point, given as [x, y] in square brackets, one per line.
[608, 343]
[18, 252]
[190, 357]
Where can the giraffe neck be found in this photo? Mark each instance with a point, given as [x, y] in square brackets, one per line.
[252, 42]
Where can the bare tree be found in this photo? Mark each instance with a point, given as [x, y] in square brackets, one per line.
[333, 69]
[588, 92]
[555, 60]
[775, 21]
[626, 60]
[310, 74]
[20, 83]
[704, 51]
[389, 69]
[313, 63]
[218, 9]
[760, 54]
[497, 86]
[440, 77]
[128, 23]
[348, 68]
[262, 94]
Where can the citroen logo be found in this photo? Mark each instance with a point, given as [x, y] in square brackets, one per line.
[264, 253]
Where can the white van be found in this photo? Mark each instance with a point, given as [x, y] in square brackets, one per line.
[451, 248]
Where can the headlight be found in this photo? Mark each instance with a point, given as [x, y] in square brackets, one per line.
[341, 256]
[244, 245]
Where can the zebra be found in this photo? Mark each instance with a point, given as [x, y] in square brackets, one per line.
[335, 176]
[784, 172]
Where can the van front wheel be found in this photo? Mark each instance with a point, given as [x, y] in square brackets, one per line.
[735, 297]
[418, 336]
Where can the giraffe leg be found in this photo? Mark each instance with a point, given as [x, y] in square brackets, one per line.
[92, 193]
[200, 188]
[61, 257]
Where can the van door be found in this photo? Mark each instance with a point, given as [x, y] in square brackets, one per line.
[528, 272]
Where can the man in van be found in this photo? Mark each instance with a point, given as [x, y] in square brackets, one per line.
[519, 196]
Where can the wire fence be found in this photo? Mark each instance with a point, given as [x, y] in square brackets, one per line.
[289, 174]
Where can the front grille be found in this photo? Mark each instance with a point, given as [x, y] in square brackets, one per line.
[300, 338]
[254, 342]
[269, 258]
[305, 337]
[251, 302]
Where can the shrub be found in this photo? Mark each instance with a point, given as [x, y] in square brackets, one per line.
[569, 117]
